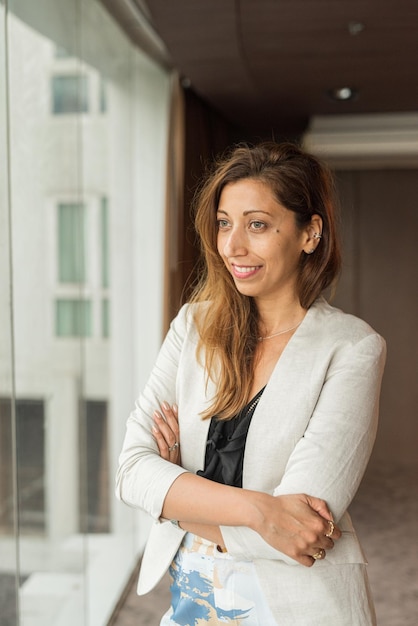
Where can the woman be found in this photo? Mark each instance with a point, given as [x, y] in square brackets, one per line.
[256, 425]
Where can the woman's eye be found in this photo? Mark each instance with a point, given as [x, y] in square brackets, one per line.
[222, 224]
[256, 225]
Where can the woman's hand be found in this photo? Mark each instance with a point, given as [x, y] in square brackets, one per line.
[298, 525]
[301, 526]
[166, 432]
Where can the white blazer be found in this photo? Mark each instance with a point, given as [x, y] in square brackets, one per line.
[312, 432]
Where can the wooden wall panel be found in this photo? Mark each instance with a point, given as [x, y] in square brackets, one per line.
[380, 284]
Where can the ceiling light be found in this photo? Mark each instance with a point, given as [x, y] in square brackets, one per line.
[342, 94]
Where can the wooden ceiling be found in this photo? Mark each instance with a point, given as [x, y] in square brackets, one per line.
[269, 65]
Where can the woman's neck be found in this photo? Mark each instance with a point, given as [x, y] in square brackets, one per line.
[278, 316]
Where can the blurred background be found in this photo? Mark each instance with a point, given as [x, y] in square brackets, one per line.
[109, 113]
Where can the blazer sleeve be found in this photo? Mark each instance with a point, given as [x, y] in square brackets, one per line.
[143, 477]
[330, 459]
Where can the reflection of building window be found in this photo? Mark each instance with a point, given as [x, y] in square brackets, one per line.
[94, 476]
[81, 263]
[73, 318]
[102, 96]
[30, 444]
[105, 317]
[70, 94]
[71, 243]
[104, 232]
[104, 237]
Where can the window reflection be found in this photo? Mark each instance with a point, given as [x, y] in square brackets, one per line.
[6, 468]
[30, 437]
[73, 318]
[70, 94]
[68, 375]
[105, 318]
[104, 239]
[71, 242]
[102, 96]
[97, 515]
[82, 261]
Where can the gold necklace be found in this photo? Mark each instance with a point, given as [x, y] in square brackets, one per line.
[280, 332]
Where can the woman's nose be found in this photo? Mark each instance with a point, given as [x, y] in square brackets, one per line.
[234, 243]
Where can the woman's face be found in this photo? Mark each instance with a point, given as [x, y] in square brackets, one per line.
[259, 241]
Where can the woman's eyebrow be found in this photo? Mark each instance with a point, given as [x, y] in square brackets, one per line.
[256, 211]
[247, 212]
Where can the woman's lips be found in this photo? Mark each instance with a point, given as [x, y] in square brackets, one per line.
[245, 271]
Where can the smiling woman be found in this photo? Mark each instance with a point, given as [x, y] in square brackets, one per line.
[263, 254]
[249, 443]
[283, 200]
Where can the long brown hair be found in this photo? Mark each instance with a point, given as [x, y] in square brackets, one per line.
[228, 325]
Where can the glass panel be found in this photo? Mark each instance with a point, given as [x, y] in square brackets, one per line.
[46, 246]
[71, 243]
[73, 380]
[9, 566]
[73, 318]
[70, 94]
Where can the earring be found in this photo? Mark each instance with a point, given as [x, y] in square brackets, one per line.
[317, 235]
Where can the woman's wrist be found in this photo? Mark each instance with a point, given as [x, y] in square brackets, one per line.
[256, 506]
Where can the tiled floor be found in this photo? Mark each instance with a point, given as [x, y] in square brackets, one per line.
[385, 513]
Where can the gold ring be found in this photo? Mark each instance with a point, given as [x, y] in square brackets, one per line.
[319, 555]
[331, 529]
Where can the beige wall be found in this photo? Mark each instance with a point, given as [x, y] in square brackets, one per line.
[380, 284]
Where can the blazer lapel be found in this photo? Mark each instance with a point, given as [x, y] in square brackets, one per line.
[284, 410]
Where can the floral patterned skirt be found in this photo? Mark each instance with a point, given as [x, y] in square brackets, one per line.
[210, 587]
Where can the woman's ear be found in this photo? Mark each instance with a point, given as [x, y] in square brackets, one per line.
[314, 234]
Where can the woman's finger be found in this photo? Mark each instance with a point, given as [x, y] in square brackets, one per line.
[170, 413]
[165, 428]
[330, 528]
[161, 443]
[167, 432]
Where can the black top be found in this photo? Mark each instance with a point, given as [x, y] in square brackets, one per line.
[226, 445]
